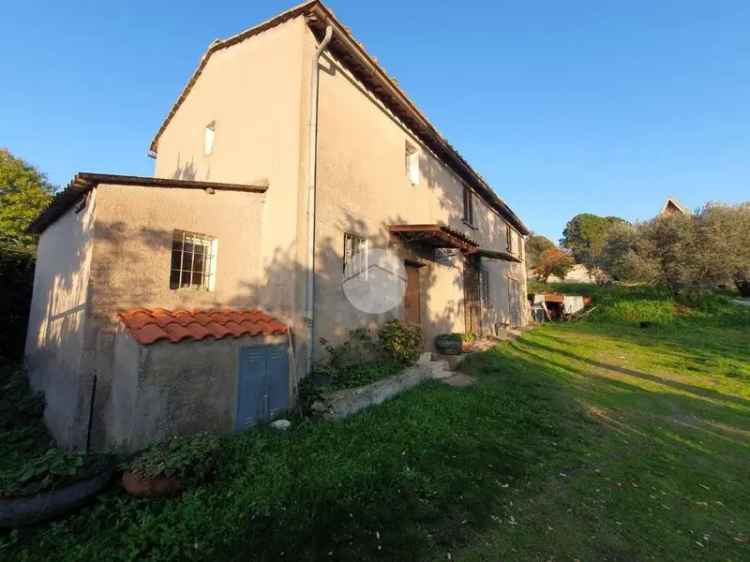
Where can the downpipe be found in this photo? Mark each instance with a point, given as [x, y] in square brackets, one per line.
[311, 172]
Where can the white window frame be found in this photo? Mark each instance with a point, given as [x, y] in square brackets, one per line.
[209, 137]
[188, 270]
[411, 161]
[356, 256]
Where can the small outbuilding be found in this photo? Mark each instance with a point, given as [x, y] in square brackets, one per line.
[185, 371]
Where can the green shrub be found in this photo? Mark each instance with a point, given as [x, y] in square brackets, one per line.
[362, 359]
[401, 342]
[654, 311]
[189, 459]
[19, 406]
[16, 286]
[359, 347]
[52, 470]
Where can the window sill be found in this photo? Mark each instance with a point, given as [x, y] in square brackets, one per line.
[471, 226]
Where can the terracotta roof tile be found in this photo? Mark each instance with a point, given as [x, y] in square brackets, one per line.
[150, 325]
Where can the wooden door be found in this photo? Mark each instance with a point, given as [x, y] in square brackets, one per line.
[412, 300]
[472, 297]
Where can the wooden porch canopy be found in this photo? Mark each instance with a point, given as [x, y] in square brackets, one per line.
[434, 235]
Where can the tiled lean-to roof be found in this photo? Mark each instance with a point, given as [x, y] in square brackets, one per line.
[150, 325]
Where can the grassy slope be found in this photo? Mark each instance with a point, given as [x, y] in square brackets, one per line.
[594, 441]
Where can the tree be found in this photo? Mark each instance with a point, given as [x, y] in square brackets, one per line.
[553, 261]
[691, 253]
[621, 259]
[724, 231]
[24, 193]
[585, 235]
[535, 245]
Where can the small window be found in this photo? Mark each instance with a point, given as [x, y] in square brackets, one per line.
[193, 261]
[509, 238]
[412, 163]
[468, 206]
[208, 138]
[484, 287]
[355, 255]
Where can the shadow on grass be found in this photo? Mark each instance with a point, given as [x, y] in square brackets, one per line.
[657, 415]
[418, 474]
[683, 387]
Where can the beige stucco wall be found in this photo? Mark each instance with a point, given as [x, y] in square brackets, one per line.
[257, 93]
[363, 187]
[55, 343]
[166, 389]
[132, 259]
[133, 246]
[253, 92]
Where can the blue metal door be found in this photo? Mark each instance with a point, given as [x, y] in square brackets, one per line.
[277, 377]
[263, 383]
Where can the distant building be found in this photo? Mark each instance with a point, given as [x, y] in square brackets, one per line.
[673, 207]
[578, 274]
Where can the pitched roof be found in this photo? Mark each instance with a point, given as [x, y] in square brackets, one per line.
[673, 204]
[83, 182]
[366, 69]
[150, 325]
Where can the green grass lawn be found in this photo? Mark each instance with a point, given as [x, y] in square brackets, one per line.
[594, 440]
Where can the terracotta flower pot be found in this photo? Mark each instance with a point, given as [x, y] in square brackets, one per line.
[467, 346]
[150, 487]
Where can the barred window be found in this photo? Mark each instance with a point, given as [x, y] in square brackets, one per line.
[468, 206]
[193, 261]
[355, 255]
[484, 287]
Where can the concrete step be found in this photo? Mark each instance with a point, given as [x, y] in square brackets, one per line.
[451, 360]
[424, 357]
[439, 369]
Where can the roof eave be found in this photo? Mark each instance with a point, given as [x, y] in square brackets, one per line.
[83, 182]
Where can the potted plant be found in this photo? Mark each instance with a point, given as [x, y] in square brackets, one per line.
[51, 484]
[467, 341]
[165, 469]
[449, 344]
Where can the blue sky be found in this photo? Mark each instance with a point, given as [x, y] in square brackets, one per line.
[564, 107]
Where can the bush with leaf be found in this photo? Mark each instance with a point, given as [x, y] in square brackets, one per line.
[190, 459]
[402, 342]
[553, 261]
[363, 358]
[54, 469]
